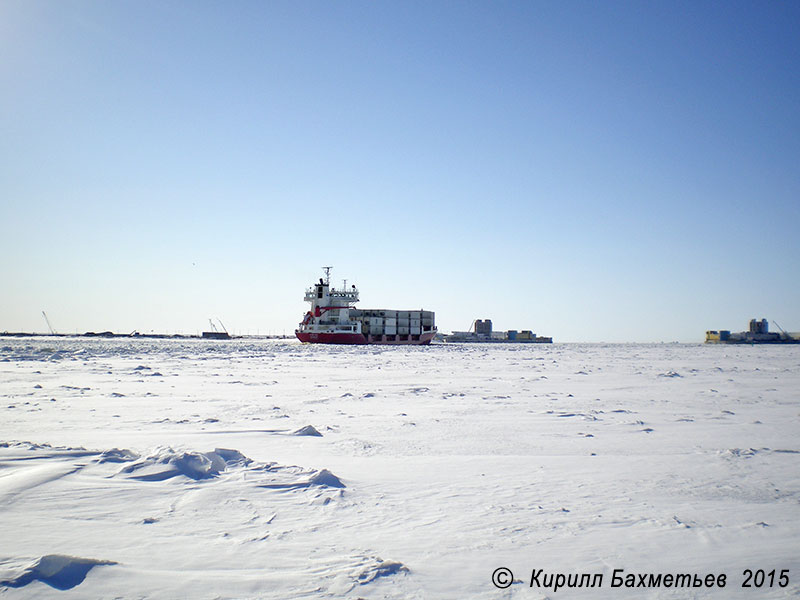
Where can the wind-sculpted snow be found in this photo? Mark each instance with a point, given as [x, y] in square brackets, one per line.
[380, 569]
[268, 469]
[160, 464]
[166, 463]
[115, 455]
[57, 571]
[308, 430]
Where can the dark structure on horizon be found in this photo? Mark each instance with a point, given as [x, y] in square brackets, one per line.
[758, 333]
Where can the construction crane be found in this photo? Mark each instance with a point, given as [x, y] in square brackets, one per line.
[214, 328]
[46, 320]
[216, 333]
[785, 335]
[221, 324]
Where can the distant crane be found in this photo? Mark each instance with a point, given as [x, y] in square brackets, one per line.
[786, 335]
[221, 324]
[214, 327]
[46, 320]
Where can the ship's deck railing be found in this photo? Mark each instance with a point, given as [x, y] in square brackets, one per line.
[351, 295]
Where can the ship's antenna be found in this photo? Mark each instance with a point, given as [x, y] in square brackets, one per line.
[344, 285]
[327, 275]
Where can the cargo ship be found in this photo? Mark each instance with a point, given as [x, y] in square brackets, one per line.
[758, 333]
[481, 332]
[333, 319]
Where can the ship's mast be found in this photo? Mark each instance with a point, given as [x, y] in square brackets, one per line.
[327, 275]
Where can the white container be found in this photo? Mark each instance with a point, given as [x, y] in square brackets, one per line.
[415, 330]
[402, 330]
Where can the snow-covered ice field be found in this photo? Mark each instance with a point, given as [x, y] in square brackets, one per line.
[268, 469]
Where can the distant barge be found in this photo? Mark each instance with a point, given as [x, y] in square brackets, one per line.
[759, 333]
[216, 335]
[481, 332]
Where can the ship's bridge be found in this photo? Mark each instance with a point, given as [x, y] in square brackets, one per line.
[323, 295]
[350, 295]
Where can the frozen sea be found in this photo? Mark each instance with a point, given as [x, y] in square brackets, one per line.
[269, 469]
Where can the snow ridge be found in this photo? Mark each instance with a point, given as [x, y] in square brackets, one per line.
[56, 570]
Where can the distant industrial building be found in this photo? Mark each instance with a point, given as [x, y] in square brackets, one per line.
[481, 332]
[758, 333]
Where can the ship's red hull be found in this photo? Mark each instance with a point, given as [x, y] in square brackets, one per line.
[330, 338]
[357, 338]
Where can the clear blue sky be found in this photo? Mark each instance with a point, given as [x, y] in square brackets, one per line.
[594, 171]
